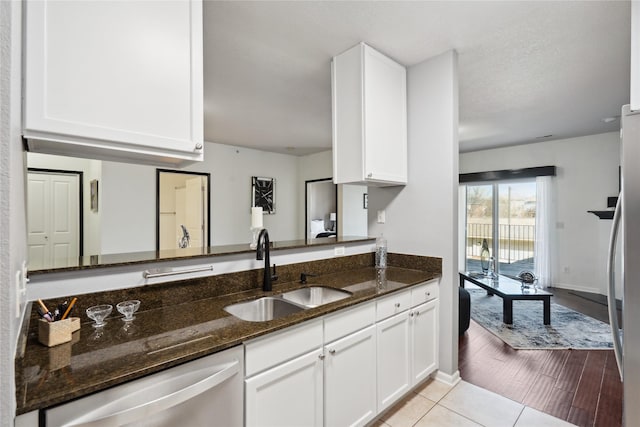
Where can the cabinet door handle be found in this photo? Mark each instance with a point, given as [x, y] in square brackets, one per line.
[369, 175]
[417, 313]
[411, 314]
[198, 146]
[321, 356]
[332, 351]
[397, 305]
[428, 294]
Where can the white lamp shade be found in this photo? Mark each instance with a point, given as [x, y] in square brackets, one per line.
[332, 216]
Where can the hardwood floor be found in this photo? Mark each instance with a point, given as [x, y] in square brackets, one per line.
[590, 304]
[580, 386]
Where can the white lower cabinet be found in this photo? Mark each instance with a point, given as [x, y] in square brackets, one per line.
[346, 368]
[350, 379]
[393, 367]
[407, 342]
[424, 340]
[289, 394]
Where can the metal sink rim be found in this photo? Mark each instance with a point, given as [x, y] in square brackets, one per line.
[263, 309]
[311, 300]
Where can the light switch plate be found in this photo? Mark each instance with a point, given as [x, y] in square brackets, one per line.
[381, 216]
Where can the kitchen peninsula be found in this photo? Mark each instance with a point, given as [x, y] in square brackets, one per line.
[184, 320]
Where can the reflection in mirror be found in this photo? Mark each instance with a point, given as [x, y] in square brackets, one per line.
[182, 209]
[320, 209]
[125, 220]
[54, 209]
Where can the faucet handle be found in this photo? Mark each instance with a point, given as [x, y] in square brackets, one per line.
[303, 277]
[274, 276]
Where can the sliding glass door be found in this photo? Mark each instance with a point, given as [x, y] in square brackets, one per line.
[479, 223]
[503, 213]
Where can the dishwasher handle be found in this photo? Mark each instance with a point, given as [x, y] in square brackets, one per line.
[128, 408]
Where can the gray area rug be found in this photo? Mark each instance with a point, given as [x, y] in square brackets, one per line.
[568, 329]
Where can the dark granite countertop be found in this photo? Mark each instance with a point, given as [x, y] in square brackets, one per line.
[167, 336]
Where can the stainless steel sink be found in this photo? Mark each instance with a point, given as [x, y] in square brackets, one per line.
[263, 309]
[315, 295]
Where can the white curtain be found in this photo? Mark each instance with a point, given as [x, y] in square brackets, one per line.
[462, 227]
[544, 223]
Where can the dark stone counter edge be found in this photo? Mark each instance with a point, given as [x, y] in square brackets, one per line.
[89, 262]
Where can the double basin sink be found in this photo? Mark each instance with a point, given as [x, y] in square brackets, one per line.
[275, 307]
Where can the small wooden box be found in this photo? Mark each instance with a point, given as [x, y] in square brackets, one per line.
[54, 333]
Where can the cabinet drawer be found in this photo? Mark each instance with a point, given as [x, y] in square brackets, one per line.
[279, 347]
[393, 304]
[425, 292]
[348, 321]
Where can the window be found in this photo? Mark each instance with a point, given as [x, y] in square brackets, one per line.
[504, 213]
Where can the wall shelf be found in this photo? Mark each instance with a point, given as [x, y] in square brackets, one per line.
[603, 214]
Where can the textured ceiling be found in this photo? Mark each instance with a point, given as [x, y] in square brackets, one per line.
[526, 69]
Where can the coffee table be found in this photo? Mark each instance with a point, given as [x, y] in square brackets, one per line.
[509, 290]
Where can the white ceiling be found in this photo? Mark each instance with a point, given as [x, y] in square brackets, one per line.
[526, 69]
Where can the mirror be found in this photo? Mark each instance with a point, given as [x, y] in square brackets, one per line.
[124, 221]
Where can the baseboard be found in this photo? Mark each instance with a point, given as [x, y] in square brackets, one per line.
[578, 288]
[450, 380]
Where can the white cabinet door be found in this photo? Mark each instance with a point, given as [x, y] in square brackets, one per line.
[289, 394]
[393, 365]
[385, 124]
[350, 379]
[424, 340]
[114, 80]
[369, 102]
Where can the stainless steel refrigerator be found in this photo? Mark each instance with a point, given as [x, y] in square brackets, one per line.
[626, 227]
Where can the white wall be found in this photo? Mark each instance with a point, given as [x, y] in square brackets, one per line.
[422, 217]
[128, 207]
[353, 216]
[587, 173]
[13, 233]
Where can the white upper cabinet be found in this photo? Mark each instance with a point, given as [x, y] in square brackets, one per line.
[369, 97]
[115, 80]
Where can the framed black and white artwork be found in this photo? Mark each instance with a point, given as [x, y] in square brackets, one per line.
[263, 194]
[94, 195]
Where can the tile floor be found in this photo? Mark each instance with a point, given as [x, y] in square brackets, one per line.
[437, 404]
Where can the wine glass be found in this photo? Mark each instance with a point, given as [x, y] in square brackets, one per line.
[127, 308]
[98, 313]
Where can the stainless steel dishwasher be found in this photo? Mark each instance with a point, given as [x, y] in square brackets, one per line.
[204, 392]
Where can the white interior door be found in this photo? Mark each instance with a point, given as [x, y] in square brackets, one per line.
[194, 214]
[53, 221]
